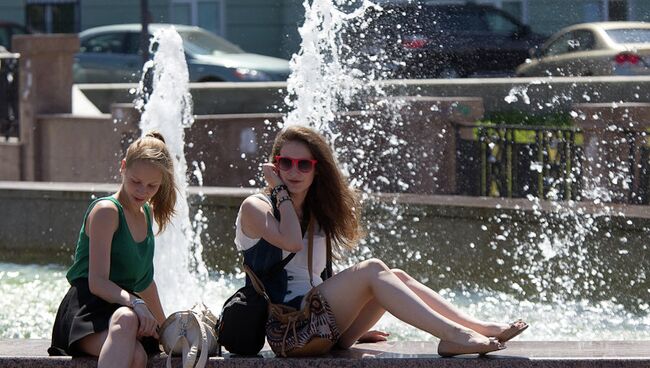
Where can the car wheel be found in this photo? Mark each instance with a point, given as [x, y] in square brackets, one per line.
[449, 73]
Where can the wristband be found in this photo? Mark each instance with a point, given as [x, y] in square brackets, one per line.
[277, 189]
[283, 199]
[136, 302]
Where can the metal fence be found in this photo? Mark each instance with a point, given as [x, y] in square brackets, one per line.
[9, 126]
[545, 162]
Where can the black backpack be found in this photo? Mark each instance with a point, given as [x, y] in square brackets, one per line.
[241, 326]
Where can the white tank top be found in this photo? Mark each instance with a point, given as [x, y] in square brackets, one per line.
[297, 269]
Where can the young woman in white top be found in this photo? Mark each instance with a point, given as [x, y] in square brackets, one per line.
[305, 179]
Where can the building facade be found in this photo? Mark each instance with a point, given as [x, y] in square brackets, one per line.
[270, 26]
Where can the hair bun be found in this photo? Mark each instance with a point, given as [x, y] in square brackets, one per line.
[155, 134]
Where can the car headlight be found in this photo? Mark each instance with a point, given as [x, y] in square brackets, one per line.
[251, 75]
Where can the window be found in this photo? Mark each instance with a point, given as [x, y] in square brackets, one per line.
[53, 16]
[110, 43]
[132, 43]
[584, 41]
[208, 14]
[205, 43]
[181, 13]
[579, 40]
[514, 8]
[564, 44]
[631, 35]
[461, 21]
[500, 24]
[618, 9]
[5, 36]
[6, 32]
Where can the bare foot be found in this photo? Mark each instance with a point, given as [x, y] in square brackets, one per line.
[502, 331]
[486, 345]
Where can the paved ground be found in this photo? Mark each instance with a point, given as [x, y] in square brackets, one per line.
[403, 354]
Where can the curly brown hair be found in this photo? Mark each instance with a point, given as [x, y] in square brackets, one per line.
[330, 199]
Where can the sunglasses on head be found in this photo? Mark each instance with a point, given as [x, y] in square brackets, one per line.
[303, 164]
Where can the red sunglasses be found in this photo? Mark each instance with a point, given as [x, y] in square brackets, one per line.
[303, 164]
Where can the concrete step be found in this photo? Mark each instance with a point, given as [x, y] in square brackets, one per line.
[403, 354]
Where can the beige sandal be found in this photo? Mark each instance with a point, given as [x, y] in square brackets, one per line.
[513, 331]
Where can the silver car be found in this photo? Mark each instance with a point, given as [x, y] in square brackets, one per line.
[111, 54]
[604, 48]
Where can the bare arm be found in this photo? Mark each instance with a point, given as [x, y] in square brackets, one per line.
[257, 221]
[257, 218]
[102, 223]
[151, 297]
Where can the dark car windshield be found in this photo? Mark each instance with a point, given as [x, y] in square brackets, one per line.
[629, 35]
[204, 43]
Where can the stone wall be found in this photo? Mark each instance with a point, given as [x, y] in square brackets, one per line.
[532, 95]
[10, 161]
[510, 245]
[45, 83]
[229, 148]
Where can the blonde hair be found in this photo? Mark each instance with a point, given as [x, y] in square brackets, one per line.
[152, 149]
[330, 199]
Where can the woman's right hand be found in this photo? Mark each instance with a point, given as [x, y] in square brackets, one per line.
[271, 174]
[148, 324]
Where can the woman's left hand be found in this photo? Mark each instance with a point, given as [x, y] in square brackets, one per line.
[373, 336]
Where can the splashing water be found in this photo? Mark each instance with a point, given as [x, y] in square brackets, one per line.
[180, 269]
[320, 79]
[550, 274]
[329, 92]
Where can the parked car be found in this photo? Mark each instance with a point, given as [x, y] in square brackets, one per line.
[111, 54]
[441, 41]
[8, 30]
[604, 48]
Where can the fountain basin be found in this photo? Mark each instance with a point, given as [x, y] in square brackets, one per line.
[536, 250]
[409, 354]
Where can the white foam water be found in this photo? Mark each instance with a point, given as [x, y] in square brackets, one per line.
[180, 270]
[321, 81]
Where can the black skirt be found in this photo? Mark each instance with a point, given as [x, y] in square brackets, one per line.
[80, 314]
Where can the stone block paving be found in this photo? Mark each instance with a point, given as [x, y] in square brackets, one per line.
[402, 354]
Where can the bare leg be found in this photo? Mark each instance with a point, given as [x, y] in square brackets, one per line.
[367, 317]
[117, 346]
[349, 291]
[449, 311]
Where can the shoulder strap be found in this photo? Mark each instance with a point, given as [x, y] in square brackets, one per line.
[310, 252]
[279, 266]
[310, 249]
[257, 283]
[328, 266]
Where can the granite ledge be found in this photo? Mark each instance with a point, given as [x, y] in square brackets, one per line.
[403, 354]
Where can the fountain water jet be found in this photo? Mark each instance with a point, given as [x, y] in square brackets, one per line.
[168, 109]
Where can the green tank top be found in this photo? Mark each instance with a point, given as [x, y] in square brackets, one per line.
[131, 262]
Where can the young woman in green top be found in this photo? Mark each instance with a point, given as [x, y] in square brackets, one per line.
[112, 309]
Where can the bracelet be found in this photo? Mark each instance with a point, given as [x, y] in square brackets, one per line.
[136, 302]
[283, 199]
[277, 189]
